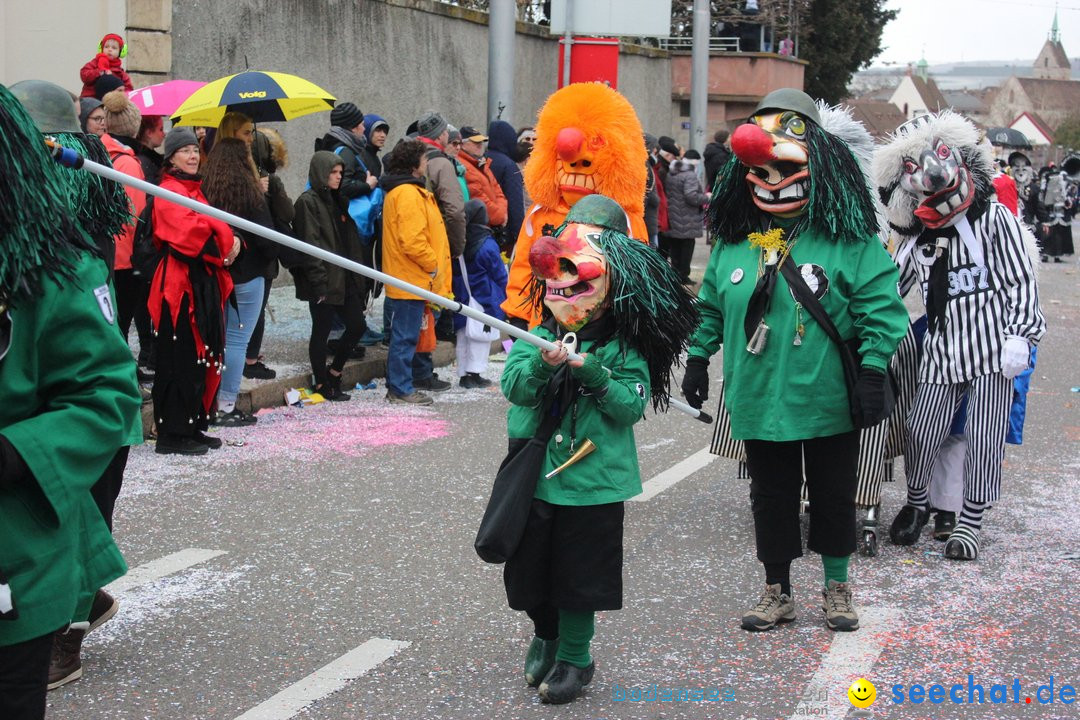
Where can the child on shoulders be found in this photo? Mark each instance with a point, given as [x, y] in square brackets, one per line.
[108, 61]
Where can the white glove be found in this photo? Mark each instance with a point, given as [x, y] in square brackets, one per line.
[1015, 356]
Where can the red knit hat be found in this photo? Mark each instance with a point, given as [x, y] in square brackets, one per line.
[117, 38]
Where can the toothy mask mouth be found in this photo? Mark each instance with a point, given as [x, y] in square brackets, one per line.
[791, 194]
[579, 184]
[941, 208]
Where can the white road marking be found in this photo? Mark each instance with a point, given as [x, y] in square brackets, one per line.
[679, 471]
[326, 680]
[162, 567]
[851, 655]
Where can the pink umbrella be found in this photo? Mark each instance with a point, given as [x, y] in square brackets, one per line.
[163, 98]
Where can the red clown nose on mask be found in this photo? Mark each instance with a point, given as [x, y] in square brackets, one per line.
[752, 145]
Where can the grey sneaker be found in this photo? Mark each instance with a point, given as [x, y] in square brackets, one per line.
[839, 611]
[772, 608]
[414, 398]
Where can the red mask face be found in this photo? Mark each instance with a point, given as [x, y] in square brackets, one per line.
[575, 272]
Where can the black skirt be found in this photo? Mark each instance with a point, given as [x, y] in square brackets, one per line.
[571, 558]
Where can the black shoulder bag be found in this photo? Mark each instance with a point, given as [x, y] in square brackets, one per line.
[515, 483]
[849, 350]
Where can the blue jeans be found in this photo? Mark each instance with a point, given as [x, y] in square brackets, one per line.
[240, 322]
[405, 318]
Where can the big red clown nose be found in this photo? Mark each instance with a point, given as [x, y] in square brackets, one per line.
[544, 257]
[752, 145]
[568, 143]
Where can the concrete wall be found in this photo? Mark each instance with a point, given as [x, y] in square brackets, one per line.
[396, 58]
[52, 39]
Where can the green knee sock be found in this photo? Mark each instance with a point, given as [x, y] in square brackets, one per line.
[575, 633]
[835, 568]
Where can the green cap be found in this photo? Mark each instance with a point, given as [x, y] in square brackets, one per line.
[789, 99]
[599, 210]
[51, 107]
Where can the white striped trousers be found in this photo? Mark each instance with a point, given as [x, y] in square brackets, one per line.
[989, 401]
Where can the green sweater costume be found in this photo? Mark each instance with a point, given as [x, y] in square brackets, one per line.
[789, 391]
[70, 401]
[610, 474]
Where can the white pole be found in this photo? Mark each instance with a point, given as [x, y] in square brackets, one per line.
[70, 158]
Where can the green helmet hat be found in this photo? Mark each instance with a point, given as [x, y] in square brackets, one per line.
[789, 99]
[601, 211]
[51, 106]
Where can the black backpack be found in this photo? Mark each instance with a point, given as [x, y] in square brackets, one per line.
[145, 256]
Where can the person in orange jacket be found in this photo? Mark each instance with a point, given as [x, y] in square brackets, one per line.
[415, 249]
[588, 140]
[481, 181]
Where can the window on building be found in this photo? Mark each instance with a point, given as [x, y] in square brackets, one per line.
[684, 108]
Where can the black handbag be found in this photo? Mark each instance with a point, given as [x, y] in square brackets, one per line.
[512, 493]
[849, 349]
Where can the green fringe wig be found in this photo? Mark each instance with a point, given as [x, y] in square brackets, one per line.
[40, 238]
[841, 205]
[652, 310]
[101, 206]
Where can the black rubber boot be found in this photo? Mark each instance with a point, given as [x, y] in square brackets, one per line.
[565, 682]
[908, 525]
[539, 660]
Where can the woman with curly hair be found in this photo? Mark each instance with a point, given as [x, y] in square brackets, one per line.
[231, 184]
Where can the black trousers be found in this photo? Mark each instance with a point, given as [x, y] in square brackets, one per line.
[255, 343]
[107, 488]
[131, 295]
[24, 675]
[680, 253]
[322, 320]
[776, 476]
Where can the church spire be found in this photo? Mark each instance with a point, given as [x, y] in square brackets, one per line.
[1055, 36]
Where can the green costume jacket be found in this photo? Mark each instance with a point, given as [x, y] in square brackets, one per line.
[796, 392]
[610, 474]
[70, 401]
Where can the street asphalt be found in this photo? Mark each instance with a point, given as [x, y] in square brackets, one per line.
[320, 565]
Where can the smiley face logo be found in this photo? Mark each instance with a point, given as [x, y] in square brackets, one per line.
[862, 693]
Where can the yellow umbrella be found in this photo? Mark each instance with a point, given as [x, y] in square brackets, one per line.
[262, 96]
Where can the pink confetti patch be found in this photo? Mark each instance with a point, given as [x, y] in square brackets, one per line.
[314, 432]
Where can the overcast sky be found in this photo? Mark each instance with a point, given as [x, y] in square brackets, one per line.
[956, 30]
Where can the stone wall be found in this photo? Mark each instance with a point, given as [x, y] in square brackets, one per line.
[395, 58]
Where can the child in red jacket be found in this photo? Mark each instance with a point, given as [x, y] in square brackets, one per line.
[111, 50]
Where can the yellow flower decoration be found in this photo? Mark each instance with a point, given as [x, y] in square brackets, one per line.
[771, 241]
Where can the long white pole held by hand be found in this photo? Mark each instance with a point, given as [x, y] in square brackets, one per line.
[70, 158]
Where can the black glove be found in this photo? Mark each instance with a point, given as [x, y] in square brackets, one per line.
[870, 391]
[695, 383]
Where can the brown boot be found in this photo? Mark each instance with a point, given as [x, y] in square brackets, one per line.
[104, 607]
[65, 665]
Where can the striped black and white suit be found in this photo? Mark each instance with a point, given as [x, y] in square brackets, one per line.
[990, 298]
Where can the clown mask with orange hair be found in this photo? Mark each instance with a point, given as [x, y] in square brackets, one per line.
[588, 141]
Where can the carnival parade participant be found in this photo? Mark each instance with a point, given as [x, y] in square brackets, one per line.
[70, 403]
[972, 259]
[796, 268]
[632, 319]
[588, 140]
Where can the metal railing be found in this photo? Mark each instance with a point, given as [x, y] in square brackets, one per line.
[716, 44]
